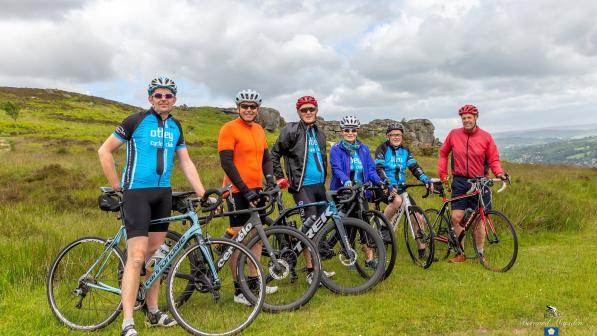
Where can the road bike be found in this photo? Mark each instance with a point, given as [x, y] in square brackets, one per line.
[341, 242]
[83, 281]
[496, 239]
[418, 233]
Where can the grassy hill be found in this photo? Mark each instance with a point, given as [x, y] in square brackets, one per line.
[581, 152]
[49, 182]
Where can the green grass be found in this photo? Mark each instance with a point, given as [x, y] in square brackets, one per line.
[446, 299]
[49, 184]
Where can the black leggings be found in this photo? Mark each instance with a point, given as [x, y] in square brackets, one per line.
[142, 205]
[310, 194]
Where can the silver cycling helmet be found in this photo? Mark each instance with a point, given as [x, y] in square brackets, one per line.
[350, 122]
[248, 95]
[161, 82]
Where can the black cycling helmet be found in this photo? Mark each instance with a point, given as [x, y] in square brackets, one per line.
[393, 127]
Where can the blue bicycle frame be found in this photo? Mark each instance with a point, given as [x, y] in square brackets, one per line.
[193, 231]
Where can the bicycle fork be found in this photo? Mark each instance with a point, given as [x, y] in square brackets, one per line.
[348, 256]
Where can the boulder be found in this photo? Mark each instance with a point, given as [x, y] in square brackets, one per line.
[418, 133]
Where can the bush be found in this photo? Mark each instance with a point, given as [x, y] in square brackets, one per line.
[11, 109]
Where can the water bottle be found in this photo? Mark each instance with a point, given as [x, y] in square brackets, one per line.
[159, 254]
[467, 214]
[308, 223]
[229, 233]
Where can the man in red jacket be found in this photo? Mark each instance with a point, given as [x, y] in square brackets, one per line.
[473, 153]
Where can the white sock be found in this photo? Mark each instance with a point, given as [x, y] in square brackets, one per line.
[127, 322]
[153, 310]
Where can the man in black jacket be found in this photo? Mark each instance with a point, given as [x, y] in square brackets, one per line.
[303, 147]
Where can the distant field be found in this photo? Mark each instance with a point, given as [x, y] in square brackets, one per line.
[49, 184]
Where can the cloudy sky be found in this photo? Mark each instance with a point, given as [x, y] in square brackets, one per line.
[525, 64]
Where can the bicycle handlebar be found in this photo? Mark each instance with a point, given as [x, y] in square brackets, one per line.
[481, 180]
[352, 191]
[206, 204]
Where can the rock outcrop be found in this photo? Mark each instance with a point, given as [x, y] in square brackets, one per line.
[418, 133]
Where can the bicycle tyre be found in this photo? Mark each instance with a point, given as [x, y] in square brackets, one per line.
[424, 234]
[380, 223]
[293, 289]
[349, 281]
[172, 237]
[440, 231]
[212, 305]
[74, 260]
[501, 252]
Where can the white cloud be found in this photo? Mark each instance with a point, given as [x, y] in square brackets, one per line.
[523, 63]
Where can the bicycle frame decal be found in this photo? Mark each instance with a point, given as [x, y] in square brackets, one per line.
[240, 236]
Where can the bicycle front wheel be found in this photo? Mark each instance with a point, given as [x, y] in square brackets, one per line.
[213, 308]
[360, 267]
[419, 238]
[380, 223]
[295, 254]
[499, 242]
[72, 285]
[172, 237]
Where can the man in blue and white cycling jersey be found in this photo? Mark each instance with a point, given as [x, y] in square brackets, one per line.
[152, 139]
[391, 160]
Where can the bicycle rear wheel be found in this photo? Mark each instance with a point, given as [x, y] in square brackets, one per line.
[84, 262]
[356, 274]
[500, 244]
[211, 309]
[294, 290]
[419, 238]
[440, 231]
[380, 223]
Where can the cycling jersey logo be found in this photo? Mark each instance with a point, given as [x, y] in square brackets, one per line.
[159, 135]
[120, 130]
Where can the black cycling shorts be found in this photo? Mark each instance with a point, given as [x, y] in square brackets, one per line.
[142, 205]
[310, 194]
[236, 201]
[460, 186]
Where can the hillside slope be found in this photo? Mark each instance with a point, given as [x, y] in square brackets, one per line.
[580, 152]
[49, 179]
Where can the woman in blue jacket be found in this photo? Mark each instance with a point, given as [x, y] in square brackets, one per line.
[352, 163]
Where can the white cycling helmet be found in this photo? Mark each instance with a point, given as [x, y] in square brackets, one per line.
[161, 82]
[350, 122]
[248, 95]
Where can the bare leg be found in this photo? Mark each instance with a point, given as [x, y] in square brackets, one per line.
[457, 216]
[155, 240]
[479, 234]
[136, 253]
[256, 249]
[393, 207]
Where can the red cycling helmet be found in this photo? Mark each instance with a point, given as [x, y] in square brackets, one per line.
[468, 109]
[305, 100]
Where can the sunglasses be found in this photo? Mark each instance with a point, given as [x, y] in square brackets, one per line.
[308, 109]
[349, 130]
[163, 95]
[248, 106]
